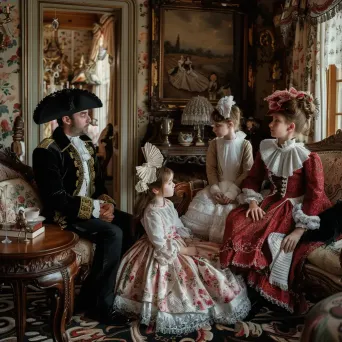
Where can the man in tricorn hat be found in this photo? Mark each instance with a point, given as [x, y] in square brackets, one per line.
[72, 189]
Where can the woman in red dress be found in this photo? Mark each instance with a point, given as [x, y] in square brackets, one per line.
[261, 236]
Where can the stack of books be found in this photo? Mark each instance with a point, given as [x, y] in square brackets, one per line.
[12, 230]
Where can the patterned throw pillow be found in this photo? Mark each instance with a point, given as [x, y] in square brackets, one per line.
[8, 173]
[16, 193]
[332, 165]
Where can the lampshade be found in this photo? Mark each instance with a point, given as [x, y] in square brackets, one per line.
[197, 111]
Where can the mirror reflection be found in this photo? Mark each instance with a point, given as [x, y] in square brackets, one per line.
[78, 52]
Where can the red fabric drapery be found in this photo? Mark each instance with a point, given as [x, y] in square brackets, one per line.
[312, 11]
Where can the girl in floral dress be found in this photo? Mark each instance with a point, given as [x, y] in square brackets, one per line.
[229, 159]
[261, 236]
[167, 277]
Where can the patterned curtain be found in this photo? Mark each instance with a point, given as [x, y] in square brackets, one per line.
[313, 29]
[311, 11]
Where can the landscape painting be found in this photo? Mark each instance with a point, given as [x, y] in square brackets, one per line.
[197, 56]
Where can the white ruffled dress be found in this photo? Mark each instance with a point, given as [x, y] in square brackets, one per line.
[205, 217]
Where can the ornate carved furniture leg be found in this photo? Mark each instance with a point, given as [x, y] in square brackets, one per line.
[61, 290]
[48, 262]
[73, 271]
[19, 293]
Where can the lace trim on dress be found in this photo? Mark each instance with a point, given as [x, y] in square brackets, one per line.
[270, 298]
[283, 161]
[309, 222]
[184, 323]
[249, 195]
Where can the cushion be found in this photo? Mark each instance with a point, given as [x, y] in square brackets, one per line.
[332, 165]
[84, 250]
[327, 257]
[7, 173]
[15, 193]
[323, 322]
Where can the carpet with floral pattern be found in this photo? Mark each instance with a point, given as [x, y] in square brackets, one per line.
[264, 323]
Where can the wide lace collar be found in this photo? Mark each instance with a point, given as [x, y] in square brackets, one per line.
[283, 161]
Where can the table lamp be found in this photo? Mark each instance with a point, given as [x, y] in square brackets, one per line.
[197, 112]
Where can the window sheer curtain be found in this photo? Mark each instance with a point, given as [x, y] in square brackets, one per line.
[313, 29]
[103, 54]
[329, 51]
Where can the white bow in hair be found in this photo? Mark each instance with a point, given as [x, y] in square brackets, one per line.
[147, 172]
[224, 106]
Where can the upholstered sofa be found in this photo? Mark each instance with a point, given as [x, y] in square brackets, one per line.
[17, 179]
[322, 270]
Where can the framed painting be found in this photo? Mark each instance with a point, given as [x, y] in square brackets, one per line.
[197, 51]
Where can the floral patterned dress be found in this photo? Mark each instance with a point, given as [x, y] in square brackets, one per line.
[179, 293]
[295, 197]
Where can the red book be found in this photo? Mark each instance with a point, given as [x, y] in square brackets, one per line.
[15, 227]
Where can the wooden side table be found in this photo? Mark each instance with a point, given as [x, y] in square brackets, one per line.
[48, 262]
[184, 154]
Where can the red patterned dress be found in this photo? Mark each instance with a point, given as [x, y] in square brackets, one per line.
[295, 197]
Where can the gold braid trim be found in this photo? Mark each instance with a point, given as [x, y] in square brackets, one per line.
[79, 166]
[60, 220]
[46, 143]
[107, 199]
[91, 168]
[86, 208]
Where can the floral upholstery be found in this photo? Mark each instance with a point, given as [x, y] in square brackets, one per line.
[332, 165]
[323, 323]
[84, 250]
[328, 258]
[7, 173]
[16, 193]
[19, 193]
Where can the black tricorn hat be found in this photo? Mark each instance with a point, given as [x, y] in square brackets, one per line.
[64, 103]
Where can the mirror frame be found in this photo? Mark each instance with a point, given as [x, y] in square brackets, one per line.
[126, 82]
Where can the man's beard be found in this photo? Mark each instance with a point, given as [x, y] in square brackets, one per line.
[80, 131]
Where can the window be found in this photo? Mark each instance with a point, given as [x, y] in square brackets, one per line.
[334, 104]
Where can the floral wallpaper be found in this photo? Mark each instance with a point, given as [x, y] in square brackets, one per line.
[74, 43]
[10, 59]
[143, 67]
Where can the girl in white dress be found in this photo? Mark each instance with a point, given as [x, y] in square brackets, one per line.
[167, 277]
[229, 159]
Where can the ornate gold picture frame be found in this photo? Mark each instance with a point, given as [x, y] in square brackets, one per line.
[197, 51]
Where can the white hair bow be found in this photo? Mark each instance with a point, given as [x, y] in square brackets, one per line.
[224, 106]
[147, 172]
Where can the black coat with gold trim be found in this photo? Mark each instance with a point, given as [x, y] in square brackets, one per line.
[59, 175]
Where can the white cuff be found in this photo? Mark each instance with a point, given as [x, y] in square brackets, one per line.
[249, 195]
[214, 189]
[303, 220]
[233, 192]
[96, 210]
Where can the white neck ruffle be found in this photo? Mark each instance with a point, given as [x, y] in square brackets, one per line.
[283, 161]
[79, 144]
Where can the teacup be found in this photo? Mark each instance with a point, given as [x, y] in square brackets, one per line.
[31, 214]
[185, 138]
